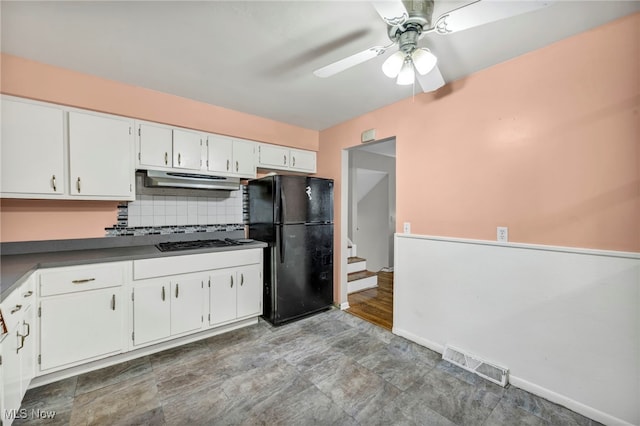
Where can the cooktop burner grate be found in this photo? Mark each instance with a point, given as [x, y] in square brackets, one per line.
[190, 245]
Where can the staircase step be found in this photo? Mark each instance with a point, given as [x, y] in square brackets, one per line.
[361, 280]
[360, 275]
[355, 259]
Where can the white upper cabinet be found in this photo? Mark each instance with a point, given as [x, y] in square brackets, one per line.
[301, 160]
[51, 151]
[155, 145]
[101, 156]
[32, 150]
[231, 156]
[187, 149]
[283, 158]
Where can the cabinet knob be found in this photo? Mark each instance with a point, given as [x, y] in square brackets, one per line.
[293, 159]
[166, 158]
[236, 166]
[227, 165]
[163, 296]
[241, 279]
[113, 302]
[285, 160]
[78, 184]
[231, 281]
[179, 159]
[53, 183]
[177, 289]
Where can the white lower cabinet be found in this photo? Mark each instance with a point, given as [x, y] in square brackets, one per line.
[80, 327]
[167, 307]
[17, 350]
[82, 314]
[235, 293]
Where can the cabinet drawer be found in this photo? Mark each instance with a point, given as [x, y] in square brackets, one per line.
[81, 278]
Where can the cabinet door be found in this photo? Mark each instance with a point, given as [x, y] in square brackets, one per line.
[244, 158]
[222, 296]
[80, 327]
[151, 311]
[10, 394]
[249, 291]
[100, 156]
[27, 352]
[154, 147]
[32, 149]
[272, 156]
[220, 153]
[304, 161]
[186, 304]
[187, 149]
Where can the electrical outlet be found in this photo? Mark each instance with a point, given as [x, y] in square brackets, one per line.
[407, 227]
[503, 234]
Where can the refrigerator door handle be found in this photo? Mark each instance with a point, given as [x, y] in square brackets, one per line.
[281, 245]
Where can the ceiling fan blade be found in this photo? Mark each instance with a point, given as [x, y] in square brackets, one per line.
[393, 12]
[482, 12]
[431, 81]
[349, 61]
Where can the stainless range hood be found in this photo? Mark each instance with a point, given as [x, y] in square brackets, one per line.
[158, 179]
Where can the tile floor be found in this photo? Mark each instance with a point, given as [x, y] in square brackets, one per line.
[329, 369]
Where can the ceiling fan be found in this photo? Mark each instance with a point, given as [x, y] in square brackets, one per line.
[408, 21]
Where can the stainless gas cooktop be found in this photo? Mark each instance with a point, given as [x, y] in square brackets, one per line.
[191, 245]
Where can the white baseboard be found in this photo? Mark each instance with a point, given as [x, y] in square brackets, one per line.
[419, 340]
[565, 401]
[344, 306]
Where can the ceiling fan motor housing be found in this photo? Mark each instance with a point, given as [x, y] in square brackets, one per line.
[407, 33]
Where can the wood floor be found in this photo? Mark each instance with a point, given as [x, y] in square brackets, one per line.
[375, 304]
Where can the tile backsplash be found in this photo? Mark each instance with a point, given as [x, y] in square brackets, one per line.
[171, 210]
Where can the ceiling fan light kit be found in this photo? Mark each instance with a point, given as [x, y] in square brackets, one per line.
[424, 60]
[407, 75]
[408, 21]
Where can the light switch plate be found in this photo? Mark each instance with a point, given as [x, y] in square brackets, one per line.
[407, 227]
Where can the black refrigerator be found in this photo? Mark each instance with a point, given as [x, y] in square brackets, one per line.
[294, 215]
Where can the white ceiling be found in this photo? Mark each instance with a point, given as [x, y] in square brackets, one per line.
[258, 56]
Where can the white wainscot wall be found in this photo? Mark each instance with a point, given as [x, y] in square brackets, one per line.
[564, 321]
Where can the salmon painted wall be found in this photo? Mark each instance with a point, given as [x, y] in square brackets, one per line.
[547, 144]
[42, 220]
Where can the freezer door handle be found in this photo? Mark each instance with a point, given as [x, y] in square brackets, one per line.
[281, 245]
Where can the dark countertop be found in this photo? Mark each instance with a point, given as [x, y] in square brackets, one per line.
[18, 260]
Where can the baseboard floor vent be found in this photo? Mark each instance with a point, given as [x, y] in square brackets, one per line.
[491, 372]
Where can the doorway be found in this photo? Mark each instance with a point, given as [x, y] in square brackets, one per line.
[370, 184]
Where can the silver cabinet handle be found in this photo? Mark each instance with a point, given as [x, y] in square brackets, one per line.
[28, 328]
[294, 161]
[285, 160]
[16, 309]
[28, 294]
[78, 184]
[166, 158]
[113, 302]
[177, 289]
[236, 166]
[21, 337]
[163, 297]
[83, 281]
[179, 159]
[227, 165]
[53, 183]
[231, 281]
[241, 279]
